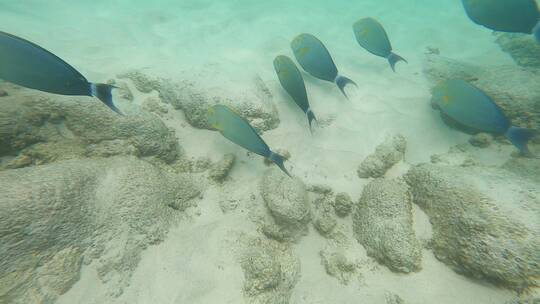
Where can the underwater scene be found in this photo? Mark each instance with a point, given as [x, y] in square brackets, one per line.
[270, 152]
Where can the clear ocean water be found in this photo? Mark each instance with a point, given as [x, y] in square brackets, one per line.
[157, 207]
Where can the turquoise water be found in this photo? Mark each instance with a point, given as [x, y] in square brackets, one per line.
[135, 209]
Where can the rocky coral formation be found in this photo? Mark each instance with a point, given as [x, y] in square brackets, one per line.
[392, 298]
[154, 105]
[325, 207]
[343, 204]
[55, 217]
[324, 219]
[513, 88]
[386, 155]
[525, 300]
[485, 220]
[254, 105]
[36, 129]
[383, 225]
[525, 167]
[338, 260]
[287, 201]
[220, 170]
[481, 140]
[271, 271]
[523, 48]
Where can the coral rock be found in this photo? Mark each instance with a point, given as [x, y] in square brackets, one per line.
[485, 221]
[383, 225]
[386, 155]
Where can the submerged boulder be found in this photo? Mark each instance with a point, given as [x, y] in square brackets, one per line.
[55, 217]
[271, 271]
[486, 221]
[383, 225]
[343, 204]
[324, 218]
[220, 170]
[340, 259]
[286, 199]
[38, 128]
[522, 48]
[386, 155]
[255, 104]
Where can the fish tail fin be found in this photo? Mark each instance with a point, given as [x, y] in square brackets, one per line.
[536, 32]
[393, 59]
[279, 160]
[342, 81]
[103, 92]
[520, 137]
[311, 118]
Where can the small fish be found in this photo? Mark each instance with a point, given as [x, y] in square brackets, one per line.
[291, 80]
[514, 16]
[315, 59]
[236, 129]
[471, 109]
[29, 65]
[371, 36]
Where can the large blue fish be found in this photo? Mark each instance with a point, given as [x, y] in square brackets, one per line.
[315, 59]
[471, 109]
[233, 127]
[29, 65]
[514, 16]
[371, 35]
[292, 81]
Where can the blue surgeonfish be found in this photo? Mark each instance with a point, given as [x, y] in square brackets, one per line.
[514, 16]
[315, 59]
[371, 36]
[469, 108]
[291, 80]
[29, 65]
[233, 127]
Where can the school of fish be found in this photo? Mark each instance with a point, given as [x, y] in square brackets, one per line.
[466, 106]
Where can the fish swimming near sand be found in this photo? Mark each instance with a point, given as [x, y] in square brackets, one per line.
[371, 35]
[315, 59]
[29, 65]
[513, 16]
[292, 81]
[233, 127]
[469, 108]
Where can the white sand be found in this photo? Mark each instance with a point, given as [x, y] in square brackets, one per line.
[239, 39]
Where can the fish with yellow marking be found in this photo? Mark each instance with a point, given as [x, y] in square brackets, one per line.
[233, 127]
[292, 81]
[471, 110]
[315, 59]
[371, 35]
